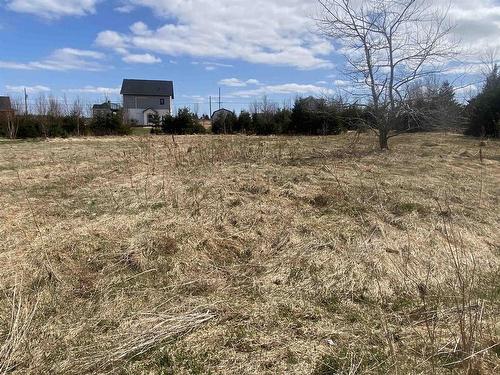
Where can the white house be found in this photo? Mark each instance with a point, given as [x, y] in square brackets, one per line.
[142, 99]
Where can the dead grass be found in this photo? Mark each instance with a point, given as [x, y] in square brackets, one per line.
[249, 255]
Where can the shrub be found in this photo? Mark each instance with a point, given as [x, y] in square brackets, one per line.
[429, 106]
[225, 124]
[36, 126]
[111, 124]
[311, 116]
[185, 122]
[264, 124]
[283, 120]
[29, 127]
[244, 123]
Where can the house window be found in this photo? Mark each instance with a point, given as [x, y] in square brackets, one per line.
[150, 118]
[162, 101]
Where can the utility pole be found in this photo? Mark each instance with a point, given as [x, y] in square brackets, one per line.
[210, 100]
[25, 102]
[219, 97]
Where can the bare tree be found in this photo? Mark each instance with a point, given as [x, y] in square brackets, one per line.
[388, 44]
[55, 109]
[42, 108]
[77, 113]
[489, 60]
[11, 118]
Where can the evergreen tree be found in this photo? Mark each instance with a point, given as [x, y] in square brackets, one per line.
[484, 109]
[244, 123]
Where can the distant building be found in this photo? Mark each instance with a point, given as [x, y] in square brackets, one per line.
[106, 108]
[5, 105]
[6, 110]
[143, 99]
[221, 114]
[7, 114]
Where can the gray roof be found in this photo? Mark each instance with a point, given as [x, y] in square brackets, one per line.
[222, 110]
[219, 113]
[147, 87]
[5, 103]
[107, 105]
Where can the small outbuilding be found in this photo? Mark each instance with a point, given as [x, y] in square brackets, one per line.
[221, 114]
[7, 114]
[5, 105]
[6, 110]
[106, 108]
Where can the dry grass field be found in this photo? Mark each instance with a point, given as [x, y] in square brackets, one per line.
[248, 255]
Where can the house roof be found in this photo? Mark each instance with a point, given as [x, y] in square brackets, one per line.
[5, 103]
[220, 111]
[147, 87]
[107, 105]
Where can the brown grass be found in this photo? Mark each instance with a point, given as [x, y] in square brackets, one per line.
[249, 255]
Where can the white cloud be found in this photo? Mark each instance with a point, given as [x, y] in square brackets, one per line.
[209, 66]
[95, 90]
[253, 82]
[467, 90]
[340, 82]
[62, 60]
[126, 8]
[195, 98]
[111, 39]
[29, 89]
[145, 58]
[53, 8]
[140, 28]
[477, 23]
[275, 32]
[119, 43]
[235, 82]
[285, 89]
[272, 32]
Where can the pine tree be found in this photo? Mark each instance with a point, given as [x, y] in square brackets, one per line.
[484, 109]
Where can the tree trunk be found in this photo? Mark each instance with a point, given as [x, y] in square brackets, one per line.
[383, 139]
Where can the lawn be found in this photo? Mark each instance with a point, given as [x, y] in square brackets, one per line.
[250, 255]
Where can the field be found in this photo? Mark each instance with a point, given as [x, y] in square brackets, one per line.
[248, 255]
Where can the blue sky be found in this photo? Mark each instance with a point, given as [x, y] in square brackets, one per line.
[248, 48]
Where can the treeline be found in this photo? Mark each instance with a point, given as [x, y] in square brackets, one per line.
[48, 126]
[185, 122]
[429, 105]
[308, 116]
[56, 119]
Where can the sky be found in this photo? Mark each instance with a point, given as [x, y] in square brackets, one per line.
[248, 48]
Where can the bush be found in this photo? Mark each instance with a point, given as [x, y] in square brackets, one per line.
[429, 105]
[225, 124]
[111, 124]
[264, 124]
[185, 122]
[244, 123]
[312, 116]
[29, 127]
[35, 126]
